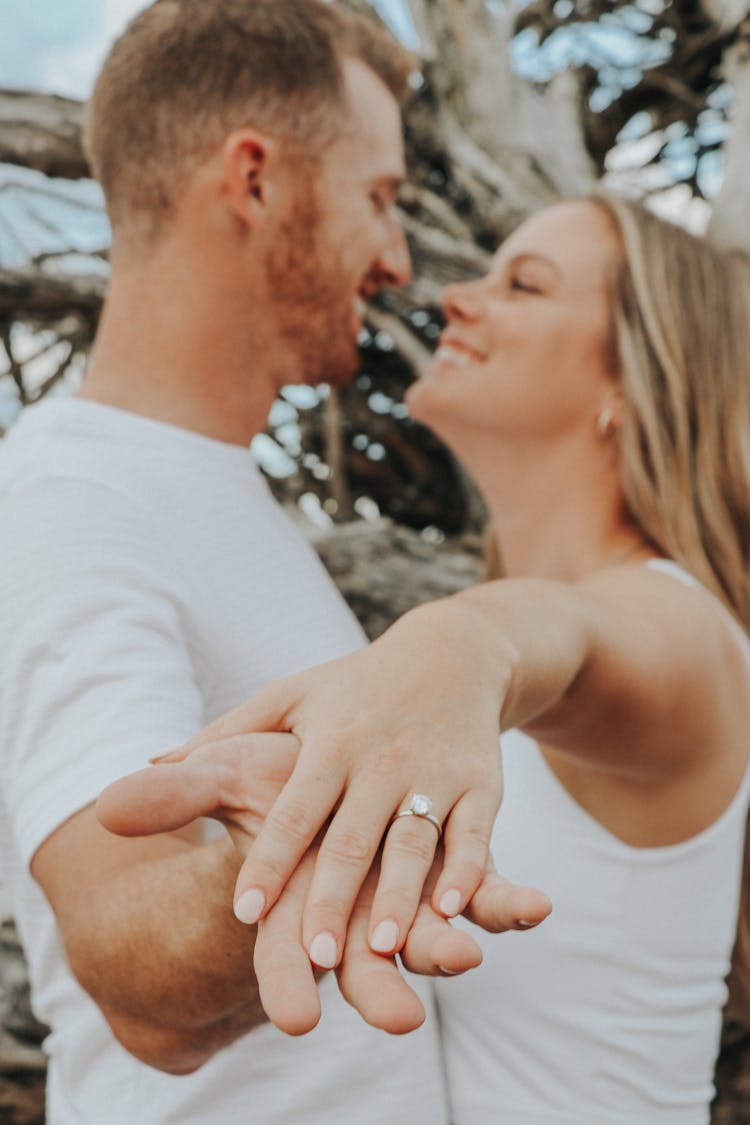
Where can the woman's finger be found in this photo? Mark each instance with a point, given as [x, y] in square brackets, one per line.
[344, 859]
[286, 982]
[408, 853]
[466, 841]
[265, 711]
[288, 831]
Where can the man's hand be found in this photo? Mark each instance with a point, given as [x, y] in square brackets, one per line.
[236, 781]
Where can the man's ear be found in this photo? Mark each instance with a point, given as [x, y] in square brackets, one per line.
[249, 161]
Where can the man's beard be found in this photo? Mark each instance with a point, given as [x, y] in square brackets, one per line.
[314, 309]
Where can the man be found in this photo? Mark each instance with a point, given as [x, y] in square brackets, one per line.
[250, 155]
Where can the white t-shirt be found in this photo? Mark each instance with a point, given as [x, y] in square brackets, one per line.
[610, 1012]
[148, 583]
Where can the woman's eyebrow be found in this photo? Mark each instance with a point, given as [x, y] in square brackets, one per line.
[527, 256]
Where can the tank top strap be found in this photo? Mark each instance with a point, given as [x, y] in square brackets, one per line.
[667, 566]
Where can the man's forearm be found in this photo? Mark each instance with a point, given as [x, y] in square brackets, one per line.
[179, 1050]
[158, 944]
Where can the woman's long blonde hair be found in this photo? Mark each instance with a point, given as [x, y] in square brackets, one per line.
[681, 327]
[681, 339]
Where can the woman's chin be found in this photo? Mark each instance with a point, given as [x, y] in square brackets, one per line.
[422, 401]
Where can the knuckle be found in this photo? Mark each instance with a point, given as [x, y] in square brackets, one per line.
[292, 818]
[472, 872]
[328, 909]
[413, 845]
[474, 836]
[399, 901]
[347, 846]
[390, 760]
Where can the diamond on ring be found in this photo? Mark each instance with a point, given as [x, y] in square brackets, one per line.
[421, 806]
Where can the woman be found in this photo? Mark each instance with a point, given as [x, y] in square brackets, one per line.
[597, 385]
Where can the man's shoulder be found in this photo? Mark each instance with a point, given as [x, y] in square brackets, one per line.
[44, 446]
[55, 466]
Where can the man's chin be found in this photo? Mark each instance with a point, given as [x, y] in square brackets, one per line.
[338, 370]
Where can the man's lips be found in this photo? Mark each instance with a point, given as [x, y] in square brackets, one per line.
[360, 306]
[359, 312]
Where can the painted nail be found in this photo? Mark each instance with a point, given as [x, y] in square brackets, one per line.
[450, 903]
[249, 906]
[524, 925]
[324, 952]
[385, 938]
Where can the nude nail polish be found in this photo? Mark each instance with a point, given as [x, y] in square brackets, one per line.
[324, 952]
[249, 906]
[385, 937]
[450, 903]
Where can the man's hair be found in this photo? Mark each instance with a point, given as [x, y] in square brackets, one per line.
[186, 73]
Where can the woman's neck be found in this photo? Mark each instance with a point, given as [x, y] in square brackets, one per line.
[554, 516]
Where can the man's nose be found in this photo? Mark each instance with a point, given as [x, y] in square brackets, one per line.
[394, 261]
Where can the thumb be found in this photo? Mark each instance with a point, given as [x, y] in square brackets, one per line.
[266, 711]
[161, 798]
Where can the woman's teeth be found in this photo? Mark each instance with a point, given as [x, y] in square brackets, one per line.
[452, 355]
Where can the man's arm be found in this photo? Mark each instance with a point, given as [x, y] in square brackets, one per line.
[149, 933]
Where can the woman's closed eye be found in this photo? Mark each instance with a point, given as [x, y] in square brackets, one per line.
[524, 285]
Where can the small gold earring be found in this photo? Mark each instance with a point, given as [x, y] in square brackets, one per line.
[605, 422]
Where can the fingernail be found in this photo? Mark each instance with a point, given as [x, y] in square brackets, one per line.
[447, 972]
[385, 938]
[249, 906]
[450, 903]
[324, 952]
[524, 925]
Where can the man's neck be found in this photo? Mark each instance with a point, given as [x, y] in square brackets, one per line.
[185, 362]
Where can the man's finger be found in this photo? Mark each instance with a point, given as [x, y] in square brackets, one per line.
[286, 982]
[161, 798]
[373, 984]
[500, 905]
[434, 948]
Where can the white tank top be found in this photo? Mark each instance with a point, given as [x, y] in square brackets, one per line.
[610, 1012]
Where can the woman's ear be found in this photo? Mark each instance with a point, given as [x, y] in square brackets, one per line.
[248, 161]
[610, 416]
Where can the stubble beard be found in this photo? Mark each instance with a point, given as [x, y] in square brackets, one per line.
[313, 308]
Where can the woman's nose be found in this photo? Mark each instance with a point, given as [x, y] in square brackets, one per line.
[461, 301]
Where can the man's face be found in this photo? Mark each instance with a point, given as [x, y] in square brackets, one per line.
[342, 241]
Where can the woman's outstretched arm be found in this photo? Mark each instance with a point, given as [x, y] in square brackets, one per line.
[629, 668]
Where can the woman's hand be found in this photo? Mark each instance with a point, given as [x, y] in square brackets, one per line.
[235, 780]
[375, 728]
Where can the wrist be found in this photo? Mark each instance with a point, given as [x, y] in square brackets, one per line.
[467, 637]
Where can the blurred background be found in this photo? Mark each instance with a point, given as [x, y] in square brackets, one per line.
[518, 103]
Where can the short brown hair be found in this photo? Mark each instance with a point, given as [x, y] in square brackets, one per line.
[185, 73]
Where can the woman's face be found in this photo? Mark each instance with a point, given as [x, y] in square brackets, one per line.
[525, 353]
